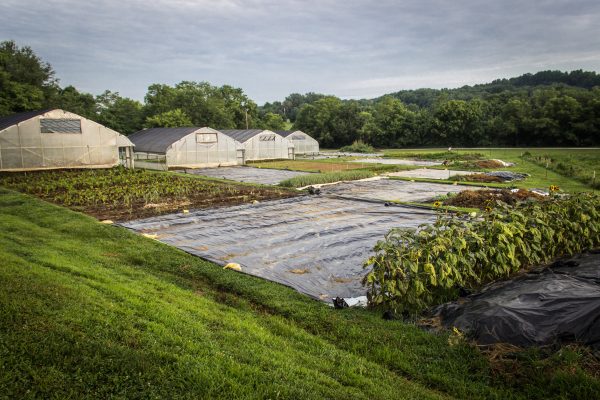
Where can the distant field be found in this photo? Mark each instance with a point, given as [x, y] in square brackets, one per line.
[584, 166]
[540, 176]
[571, 170]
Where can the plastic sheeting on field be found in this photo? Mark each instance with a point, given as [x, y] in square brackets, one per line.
[314, 244]
[391, 190]
[559, 304]
[248, 174]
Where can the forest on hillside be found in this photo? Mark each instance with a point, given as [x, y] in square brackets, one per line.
[548, 108]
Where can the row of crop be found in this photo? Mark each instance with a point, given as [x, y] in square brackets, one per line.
[414, 269]
[327, 177]
[116, 186]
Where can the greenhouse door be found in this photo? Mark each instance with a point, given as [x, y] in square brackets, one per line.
[125, 157]
[241, 156]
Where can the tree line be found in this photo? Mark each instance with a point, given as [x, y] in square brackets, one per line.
[549, 108]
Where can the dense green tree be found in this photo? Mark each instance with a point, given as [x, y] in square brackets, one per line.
[26, 82]
[271, 121]
[390, 124]
[206, 105]
[70, 99]
[169, 119]
[119, 113]
[458, 123]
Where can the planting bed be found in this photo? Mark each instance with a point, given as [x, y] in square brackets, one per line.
[121, 194]
[483, 198]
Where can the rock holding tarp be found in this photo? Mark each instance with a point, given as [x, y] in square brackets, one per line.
[558, 304]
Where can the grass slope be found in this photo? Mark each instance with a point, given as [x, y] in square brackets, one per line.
[89, 310]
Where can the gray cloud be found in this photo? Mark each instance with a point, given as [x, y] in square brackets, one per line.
[271, 48]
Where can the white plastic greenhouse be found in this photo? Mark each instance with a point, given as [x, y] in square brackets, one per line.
[54, 138]
[190, 147]
[259, 144]
[303, 143]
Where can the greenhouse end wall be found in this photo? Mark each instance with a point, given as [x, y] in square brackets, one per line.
[268, 146]
[192, 152]
[25, 147]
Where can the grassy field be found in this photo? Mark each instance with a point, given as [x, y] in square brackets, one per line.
[540, 176]
[584, 166]
[89, 310]
[122, 194]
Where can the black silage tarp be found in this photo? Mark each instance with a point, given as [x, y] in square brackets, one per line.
[559, 304]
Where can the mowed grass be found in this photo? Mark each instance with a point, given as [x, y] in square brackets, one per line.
[90, 310]
[540, 177]
[582, 165]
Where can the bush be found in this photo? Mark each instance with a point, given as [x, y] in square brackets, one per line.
[328, 177]
[414, 269]
[358, 146]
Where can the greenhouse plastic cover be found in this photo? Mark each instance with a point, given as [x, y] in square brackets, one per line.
[314, 244]
[558, 304]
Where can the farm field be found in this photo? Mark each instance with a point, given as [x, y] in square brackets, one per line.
[573, 174]
[96, 311]
[122, 194]
[585, 159]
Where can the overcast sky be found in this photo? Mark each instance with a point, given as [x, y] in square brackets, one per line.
[270, 48]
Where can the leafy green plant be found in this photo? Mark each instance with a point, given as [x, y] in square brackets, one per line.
[414, 269]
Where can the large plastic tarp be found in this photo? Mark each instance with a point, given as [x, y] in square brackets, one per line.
[391, 190]
[248, 174]
[315, 244]
[559, 304]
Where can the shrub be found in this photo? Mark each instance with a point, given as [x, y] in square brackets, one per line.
[414, 269]
[358, 146]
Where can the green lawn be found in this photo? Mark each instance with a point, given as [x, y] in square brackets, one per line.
[91, 310]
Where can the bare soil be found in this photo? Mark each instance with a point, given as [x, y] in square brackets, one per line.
[482, 198]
